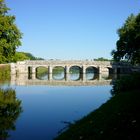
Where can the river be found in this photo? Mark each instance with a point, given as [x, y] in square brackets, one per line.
[49, 106]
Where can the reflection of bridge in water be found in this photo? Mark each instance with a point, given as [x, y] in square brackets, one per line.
[23, 79]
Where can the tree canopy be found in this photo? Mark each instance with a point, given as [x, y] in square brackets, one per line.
[10, 35]
[128, 45]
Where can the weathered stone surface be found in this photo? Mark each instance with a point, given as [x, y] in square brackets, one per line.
[100, 66]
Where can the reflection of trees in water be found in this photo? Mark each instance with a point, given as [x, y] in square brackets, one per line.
[10, 109]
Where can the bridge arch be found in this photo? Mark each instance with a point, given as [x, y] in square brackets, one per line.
[110, 70]
[41, 72]
[75, 68]
[92, 69]
[75, 73]
[58, 72]
[57, 69]
[107, 72]
[91, 73]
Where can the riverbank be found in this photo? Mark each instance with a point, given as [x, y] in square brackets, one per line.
[116, 119]
[3, 65]
[4, 73]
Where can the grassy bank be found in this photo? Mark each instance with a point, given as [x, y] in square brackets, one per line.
[117, 119]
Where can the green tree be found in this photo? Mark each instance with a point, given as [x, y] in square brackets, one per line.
[9, 34]
[128, 45]
[20, 56]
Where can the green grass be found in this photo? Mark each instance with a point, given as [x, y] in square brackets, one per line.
[117, 119]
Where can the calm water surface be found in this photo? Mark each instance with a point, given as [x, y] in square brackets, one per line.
[47, 108]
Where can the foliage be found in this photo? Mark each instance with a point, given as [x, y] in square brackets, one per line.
[101, 59]
[31, 57]
[4, 73]
[126, 83]
[9, 34]
[128, 45]
[20, 56]
[10, 108]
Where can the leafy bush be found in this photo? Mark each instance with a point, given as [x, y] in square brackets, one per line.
[126, 83]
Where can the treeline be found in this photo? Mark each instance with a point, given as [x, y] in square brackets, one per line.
[20, 56]
[101, 59]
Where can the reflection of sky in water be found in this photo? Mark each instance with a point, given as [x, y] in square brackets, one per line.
[44, 77]
[90, 76]
[75, 76]
[58, 76]
[45, 108]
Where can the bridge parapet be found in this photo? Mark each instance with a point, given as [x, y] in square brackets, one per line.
[64, 62]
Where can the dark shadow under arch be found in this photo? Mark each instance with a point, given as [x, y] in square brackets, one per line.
[75, 73]
[92, 73]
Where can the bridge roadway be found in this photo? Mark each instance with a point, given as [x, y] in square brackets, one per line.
[99, 66]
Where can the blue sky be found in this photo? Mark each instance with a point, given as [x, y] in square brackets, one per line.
[70, 29]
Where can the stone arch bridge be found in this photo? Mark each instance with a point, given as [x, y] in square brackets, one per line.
[23, 67]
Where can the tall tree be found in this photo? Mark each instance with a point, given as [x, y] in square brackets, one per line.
[128, 45]
[10, 35]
